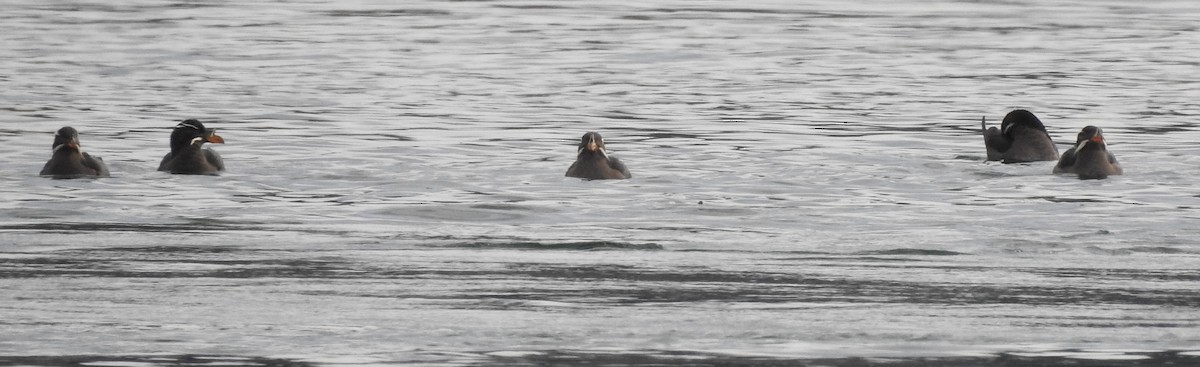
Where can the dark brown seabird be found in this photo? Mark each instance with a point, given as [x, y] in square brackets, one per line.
[1089, 158]
[188, 155]
[594, 163]
[1020, 138]
[69, 160]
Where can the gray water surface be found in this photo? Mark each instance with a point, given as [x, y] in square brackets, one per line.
[808, 185]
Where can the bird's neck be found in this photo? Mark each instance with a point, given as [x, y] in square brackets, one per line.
[190, 149]
[68, 154]
[1093, 148]
[591, 155]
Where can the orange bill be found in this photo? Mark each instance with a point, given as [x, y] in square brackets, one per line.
[215, 139]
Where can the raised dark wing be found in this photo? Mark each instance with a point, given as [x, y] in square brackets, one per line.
[95, 163]
[994, 141]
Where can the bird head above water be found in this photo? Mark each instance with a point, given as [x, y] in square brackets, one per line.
[1090, 158]
[66, 138]
[1090, 136]
[188, 154]
[68, 159]
[593, 162]
[592, 143]
[191, 132]
[1020, 119]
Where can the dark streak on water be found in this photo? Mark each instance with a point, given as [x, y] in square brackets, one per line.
[614, 284]
[628, 358]
[669, 358]
[151, 360]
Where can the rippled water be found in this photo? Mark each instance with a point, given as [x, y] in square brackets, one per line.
[808, 183]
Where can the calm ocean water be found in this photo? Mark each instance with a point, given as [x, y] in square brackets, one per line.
[809, 183]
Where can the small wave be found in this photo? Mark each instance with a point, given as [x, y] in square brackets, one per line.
[112, 227]
[387, 13]
[586, 245]
[993, 174]
[1159, 250]
[531, 7]
[1057, 199]
[913, 251]
[149, 360]
[697, 358]
[166, 250]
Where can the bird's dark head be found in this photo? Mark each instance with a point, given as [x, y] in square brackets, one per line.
[66, 138]
[1090, 135]
[191, 132]
[1021, 119]
[591, 143]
